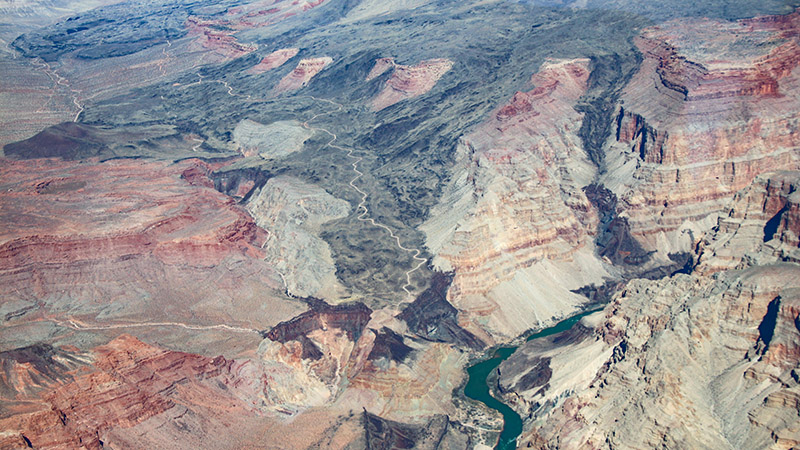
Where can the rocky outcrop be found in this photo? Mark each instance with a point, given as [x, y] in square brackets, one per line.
[514, 223]
[87, 239]
[386, 434]
[26, 371]
[272, 141]
[760, 224]
[292, 212]
[307, 356]
[432, 317]
[128, 382]
[299, 77]
[274, 60]
[350, 318]
[689, 361]
[701, 360]
[210, 35]
[406, 81]
[713, 105]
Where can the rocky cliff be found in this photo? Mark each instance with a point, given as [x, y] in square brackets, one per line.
[514, 223]
[406, 81]
[713, 105]
[692, 361]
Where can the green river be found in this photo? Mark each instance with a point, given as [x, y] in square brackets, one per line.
[477, 387]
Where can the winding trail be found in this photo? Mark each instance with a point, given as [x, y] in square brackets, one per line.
[60, 81]
[363, 211]
[79, 326]
[362, 207]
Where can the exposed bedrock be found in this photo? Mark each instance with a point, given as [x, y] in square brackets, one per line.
[406, 81]
[84, 240]
[274, 60]
[299, 77]
[272, 141]
[432, 317]
[514, 222]
[126, 383]
[762, 223]
[703, 360]
[292, 212]
[713, 105]
[308, 354]
[436, 433]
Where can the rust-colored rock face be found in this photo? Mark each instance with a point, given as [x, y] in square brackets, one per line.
[306, 70]
[406, 81]
[274, 60]
[127, 383]
[713, 105]
[179, 241]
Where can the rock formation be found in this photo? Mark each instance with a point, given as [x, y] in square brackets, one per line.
[211, 36]
[272, 141]
[292, 212]
[128, 382]
[716, 353]
[406, 81]
[274, 60]
[182, 266]
[306, 70]
[713, 105]
[761, 224]
[514, 223]
[87, 240]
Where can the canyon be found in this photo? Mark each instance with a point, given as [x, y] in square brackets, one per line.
[299, 224]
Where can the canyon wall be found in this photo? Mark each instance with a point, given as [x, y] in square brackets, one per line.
[700, 360]
[713, 105]
[514, 223]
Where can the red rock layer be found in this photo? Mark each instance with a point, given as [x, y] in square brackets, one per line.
[508, 145]
[407, 81]
[144, 239]
[218, 34]
[211, 37]
[274, 60]
[129, 382]
[713, 105]
[306, 70]
[381, 66]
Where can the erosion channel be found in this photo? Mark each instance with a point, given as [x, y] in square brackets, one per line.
[477, 386]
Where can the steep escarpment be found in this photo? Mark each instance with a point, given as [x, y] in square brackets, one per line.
[713, 105]
[701, 360]
[514, 217]
[761, 224]
[125, 242]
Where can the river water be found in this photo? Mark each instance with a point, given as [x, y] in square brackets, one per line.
[477, 387]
